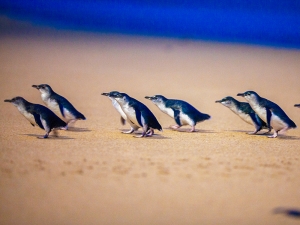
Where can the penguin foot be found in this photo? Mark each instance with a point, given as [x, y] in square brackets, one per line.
[251, 133]
[274, 135]
[175, 127]
[44, 137]
[64, 128]
[267, 132]
[149, 133]
[128, 132]
[193, 129]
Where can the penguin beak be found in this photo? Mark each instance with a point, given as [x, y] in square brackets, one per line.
[147, 97]
[297, 105]
[241, 94]
[7, 100]
[218, 101]
[105, 94]
[36, 86]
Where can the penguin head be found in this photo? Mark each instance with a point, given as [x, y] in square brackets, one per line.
[157, 99]
[43, 88]
[249, 95]
[16, 101]
[227, 101]
[110, 94]
[121, 98]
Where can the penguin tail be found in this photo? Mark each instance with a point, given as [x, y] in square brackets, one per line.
[81, 117]
[293, 126]
[204, 117]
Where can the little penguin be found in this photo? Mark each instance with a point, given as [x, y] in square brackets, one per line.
[120, 110]
[59, 104]
[38, 115]
[269, 112]
[138, 113]
[297, 105]
[245, 112]
[181, 111]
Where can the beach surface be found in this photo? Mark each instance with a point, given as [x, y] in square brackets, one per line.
[94, 174]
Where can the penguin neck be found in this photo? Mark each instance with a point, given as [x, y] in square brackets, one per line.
[161, 106]
[45, 96]
[234, 108]
[254, 102]
[22, 107]
[164, 109]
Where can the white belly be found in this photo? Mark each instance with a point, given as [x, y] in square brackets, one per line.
[67, 115]
[276, 123]
[118, 108]
[130, 113]
[261, 112]
[52, 105]
[246, 118]
[185, 120]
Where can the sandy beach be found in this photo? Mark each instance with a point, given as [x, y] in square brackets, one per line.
[94, 174]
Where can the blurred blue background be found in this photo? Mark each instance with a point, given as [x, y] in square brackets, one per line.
[263, 22]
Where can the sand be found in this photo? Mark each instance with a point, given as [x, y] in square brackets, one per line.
[94, 174]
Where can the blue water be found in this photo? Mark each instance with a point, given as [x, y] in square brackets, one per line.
[270, 22]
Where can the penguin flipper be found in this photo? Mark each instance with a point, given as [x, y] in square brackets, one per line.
[269, 115]
[123, 121]
[257, 122]
[37, 119]
[138, 115]
[177, 116]
[61, 109]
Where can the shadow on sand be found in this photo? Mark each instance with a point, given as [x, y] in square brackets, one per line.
[78, 129]
[187, 130]
[290, 212]
[52, 137]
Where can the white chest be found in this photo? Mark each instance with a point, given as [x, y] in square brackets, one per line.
[242, 115]
[27, 115]
[277, 123]
[130, 113]
[118, 108]
[260, 111]
[166, 110]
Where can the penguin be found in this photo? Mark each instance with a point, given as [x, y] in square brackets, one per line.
[269, 112]
[124, 118]
[245, 112]
[297, 105]
[181, 111]
[137, 113]
[59, 104]
[38, 115]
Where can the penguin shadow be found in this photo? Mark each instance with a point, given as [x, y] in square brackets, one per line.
[289, 212]
[154, 136]
[52, 137]
[78, 129]
[280, 136]
[284, 137]
[248, 131]
[188, 130]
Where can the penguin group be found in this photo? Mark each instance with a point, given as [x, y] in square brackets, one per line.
[260, 112]
[42, 116]
[257, 111]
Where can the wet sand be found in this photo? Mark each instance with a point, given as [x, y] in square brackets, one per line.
[94, 174]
